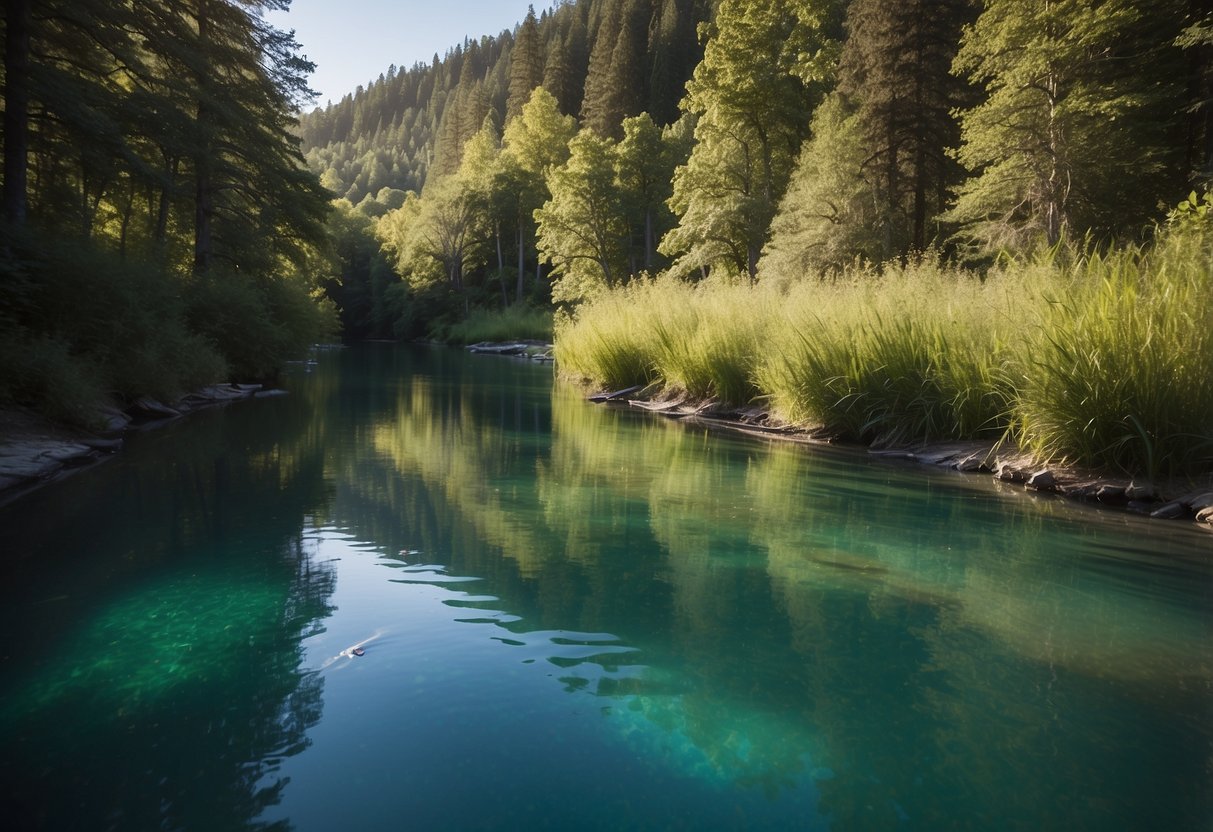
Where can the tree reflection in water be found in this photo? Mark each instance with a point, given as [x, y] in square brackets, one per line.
[154, 677]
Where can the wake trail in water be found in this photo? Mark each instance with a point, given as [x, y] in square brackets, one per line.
[351, 652]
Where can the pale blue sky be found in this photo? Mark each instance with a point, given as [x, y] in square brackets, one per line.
[353, 41]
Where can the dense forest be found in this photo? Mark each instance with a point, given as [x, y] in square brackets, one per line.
[603, 139]
[160, 226]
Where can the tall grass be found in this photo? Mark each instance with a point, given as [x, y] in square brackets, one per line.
[914, 354]
[699, 340]
[518, 322]
[1103, 360]
[1119, 370]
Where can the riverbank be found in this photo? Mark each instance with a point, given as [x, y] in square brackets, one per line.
[35, 451]
[1102, 360]
[1171, 499]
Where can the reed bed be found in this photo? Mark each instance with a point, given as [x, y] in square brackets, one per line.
[1104, 360]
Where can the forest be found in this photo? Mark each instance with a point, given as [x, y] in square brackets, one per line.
[172, 212]
[602, 140]
[160, 229]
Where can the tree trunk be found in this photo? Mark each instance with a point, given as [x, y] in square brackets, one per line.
[505, 296]
[204, 196]
[518, 293]
[16, 109]
[160, 234]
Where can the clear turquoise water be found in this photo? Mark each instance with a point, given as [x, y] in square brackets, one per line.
[582, 618]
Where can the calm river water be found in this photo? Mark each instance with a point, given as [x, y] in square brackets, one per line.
[579, 618]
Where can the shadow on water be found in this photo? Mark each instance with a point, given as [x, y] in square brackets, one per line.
[151, 675]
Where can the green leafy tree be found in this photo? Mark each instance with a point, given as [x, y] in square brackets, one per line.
[533, 144]
[645, 163]
[752, 110]
[582, 228]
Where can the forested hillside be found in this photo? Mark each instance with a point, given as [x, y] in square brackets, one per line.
[602, 139]
[601, 59]
[166, 216]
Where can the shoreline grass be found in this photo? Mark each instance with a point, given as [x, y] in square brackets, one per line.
[1099, 360]
[517, 322]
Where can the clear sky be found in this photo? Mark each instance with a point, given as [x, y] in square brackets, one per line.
[353, 41]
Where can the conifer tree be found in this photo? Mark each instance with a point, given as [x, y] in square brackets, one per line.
[598, 106]
[526, 65]
[896, 70]
[1064, 142]
[558, 77]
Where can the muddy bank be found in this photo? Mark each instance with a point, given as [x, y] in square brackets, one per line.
[1190, 501]
[35, 452]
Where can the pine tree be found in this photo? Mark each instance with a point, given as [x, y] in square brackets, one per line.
[832, 213]
[558, 77]
[526, 65]
[598, 106]
[1064, 143]
[896, 70]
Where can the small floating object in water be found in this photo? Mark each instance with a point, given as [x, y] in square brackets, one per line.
[358, 651]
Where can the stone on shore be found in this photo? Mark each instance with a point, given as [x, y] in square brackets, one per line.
[1043, 480]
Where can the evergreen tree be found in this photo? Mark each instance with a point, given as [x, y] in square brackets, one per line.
[1065, 141]
[896, 69]
[831, 214]
[558, 77]
[526, 65]
[598, 106]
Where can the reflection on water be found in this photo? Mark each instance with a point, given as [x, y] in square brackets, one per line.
[153, 608]
[582, 617]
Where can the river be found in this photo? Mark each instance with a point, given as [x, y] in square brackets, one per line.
[580, 617]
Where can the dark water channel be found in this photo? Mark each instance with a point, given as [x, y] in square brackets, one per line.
[580, 618]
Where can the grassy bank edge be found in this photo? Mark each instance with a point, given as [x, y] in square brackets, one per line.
[1095, 360]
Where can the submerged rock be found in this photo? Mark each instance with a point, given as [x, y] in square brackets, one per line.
[1170, 511]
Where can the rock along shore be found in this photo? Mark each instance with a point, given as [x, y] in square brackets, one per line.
[34, 452]
[1164, 501]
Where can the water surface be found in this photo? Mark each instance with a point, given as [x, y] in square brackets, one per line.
[578, 617]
